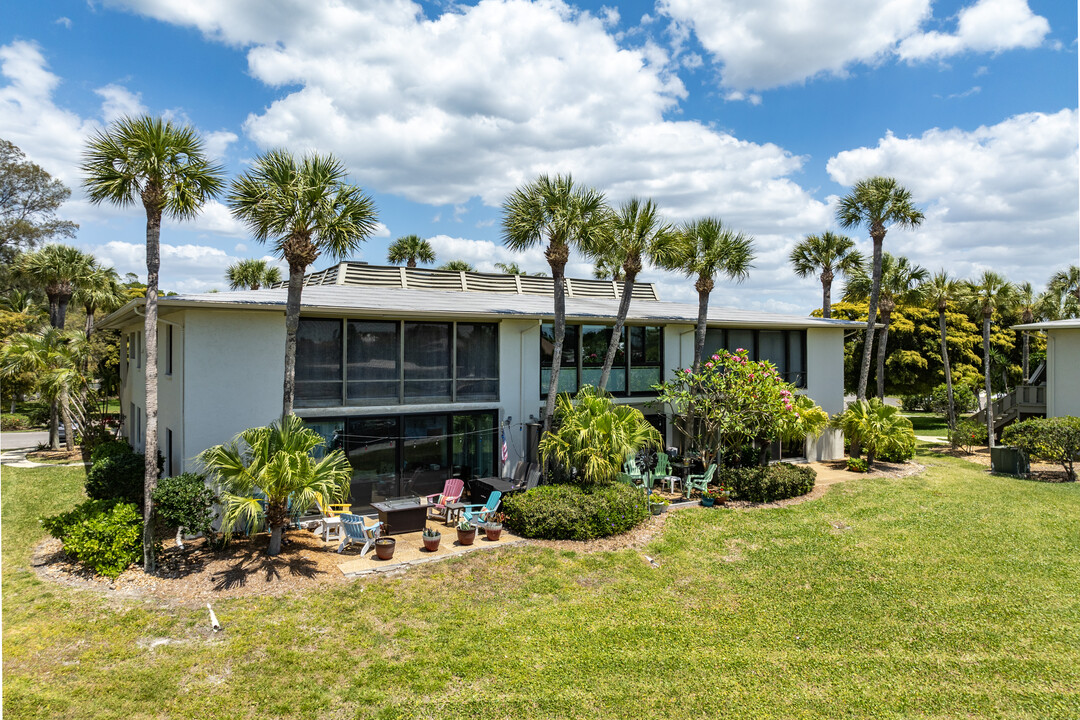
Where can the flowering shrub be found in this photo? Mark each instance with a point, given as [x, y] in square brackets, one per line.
[967, 434]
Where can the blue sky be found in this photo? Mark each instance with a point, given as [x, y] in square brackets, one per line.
[761, 113]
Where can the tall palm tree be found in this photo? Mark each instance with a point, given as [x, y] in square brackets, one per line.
[509, 268]
[456, 266]
[878, 203]
[608, 268]
[901, 286]
[635, 234]
[58, 270]
[408, 250]
[100, 291]
[1027, 302]
[1066, 284]
[165, 168]
[941, 290]
[252, 274]
[554, 211]
[707, 249]
[55, 357]
[988, 294]
[263, 469]
[826, 254]
[305, 208]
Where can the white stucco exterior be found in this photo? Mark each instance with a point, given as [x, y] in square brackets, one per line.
[1063, 372]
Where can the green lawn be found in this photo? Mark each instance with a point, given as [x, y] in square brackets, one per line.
[928, 423]
[948, 595]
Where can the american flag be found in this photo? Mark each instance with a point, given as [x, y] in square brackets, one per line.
[505, 452]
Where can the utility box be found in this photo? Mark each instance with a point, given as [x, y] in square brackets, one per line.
[1009, 460]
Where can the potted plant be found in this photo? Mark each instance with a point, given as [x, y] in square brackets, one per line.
[466, 533]
[494, 526]
[658, 503]
[384, 548]
[431, 539]
[720, 495]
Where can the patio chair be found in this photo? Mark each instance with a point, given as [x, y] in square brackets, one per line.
[663, 472]
[451, 493]
[358, 531]
[477, 514]
[700, 482]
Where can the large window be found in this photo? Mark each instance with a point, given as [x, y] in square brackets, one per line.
[786, 349]
[379, 362]
[636, 368]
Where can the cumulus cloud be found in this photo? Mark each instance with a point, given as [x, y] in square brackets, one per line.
[119, 102]
[218, 142]
[986, 26]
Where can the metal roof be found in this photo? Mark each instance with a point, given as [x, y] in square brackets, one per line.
[1070, 324]
[355, 301]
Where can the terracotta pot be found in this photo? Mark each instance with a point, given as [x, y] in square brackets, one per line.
[384, 548]
[431, 544]
[466, 537]
[493, 531]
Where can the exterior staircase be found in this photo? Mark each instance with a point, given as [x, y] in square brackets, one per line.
[1023, 402]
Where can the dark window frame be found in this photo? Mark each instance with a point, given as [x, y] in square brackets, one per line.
[579, 367]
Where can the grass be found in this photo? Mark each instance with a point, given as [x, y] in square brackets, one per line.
[945, 595]
[928, 423]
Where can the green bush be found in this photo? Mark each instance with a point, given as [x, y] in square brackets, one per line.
[1051, 439]
[107, 542]
[185, 502]
[767, 484]
[60, 525]
[915, 402]
[94, 434]
[110, 449]
[572, 512]
[858, 465]
[14, 421]
[963, 398]
[38, 412]
[119, 476]
[967, 434]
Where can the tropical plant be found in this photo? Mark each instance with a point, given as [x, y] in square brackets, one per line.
[707, 249]
[826, 254]
[1027, 302]
[900, 286]
[941, 290]
[1065, 284]
[608, 268]
[877, 428]
[305, 208]
[565, 217]
[988, 294]
[58, 270]
[164, 167]
[592, 435]
[878, 203]
[185, 502]
[634, 235]
[55, 358]
[100, 290]
[807, 421]
[252, 274]
[410, 249]
[456, 266]
[263, 471]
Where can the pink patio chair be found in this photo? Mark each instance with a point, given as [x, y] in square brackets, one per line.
[451, 493]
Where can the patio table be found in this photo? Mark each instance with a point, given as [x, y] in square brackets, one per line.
[401, 515]
[453, 512]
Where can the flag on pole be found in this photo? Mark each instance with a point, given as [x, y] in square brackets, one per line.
[505, 452]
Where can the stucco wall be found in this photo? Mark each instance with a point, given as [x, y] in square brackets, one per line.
[825, 368]
[1063, 373]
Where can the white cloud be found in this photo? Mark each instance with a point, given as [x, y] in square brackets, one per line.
[198, 267]
[65, 21]
[119, 102]
[217, 142]
[1001, 196]
[986, 26]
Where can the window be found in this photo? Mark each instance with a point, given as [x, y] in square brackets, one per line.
[568, 371]
[637, 366]
[318, 363]
[645, 354]
[169, 469]
[138, 349]
[427, 362]
[132, 417]
[374, 364]
[786, 349]
[594, 346]
[168, 349]
[476, 363]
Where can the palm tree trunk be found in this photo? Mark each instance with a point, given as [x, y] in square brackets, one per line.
[882, 345]
[276, 533]
[871, 317]
[1027, 348]
[948, 371]
[54, 425]
[153, 264]
[54, 310]
[61, 310]
[826, 296]
[616, 332]
[699, 335]
[986, 375]
[557, 269]
[88, 328]
[292, 322]
[65, 410]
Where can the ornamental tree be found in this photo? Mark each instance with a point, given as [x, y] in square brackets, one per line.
[730, 402]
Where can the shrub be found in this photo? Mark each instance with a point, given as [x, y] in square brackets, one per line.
[185, 502]
[120, 476]
[915, 402]
[14, 421]
[880, 429]
[94, 434]
[572, 512]
[967, 434]
[38, 413]
[963, 398]
[60, 525]
[110, 449]
[766, 484]
[107, 541]
[1052, 439]
[857, 465]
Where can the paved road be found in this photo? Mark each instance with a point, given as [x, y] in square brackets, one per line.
[16, 440]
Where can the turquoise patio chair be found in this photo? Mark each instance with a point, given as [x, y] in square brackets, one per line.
[700, 482]
[478, 514]
[358, 531]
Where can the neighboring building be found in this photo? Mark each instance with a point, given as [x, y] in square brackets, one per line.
[419, 374]
[1062, 365]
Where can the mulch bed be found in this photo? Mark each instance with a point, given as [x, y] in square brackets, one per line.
[57, 456]
[1040, 472]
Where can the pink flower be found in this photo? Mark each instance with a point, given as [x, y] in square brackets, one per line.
[715, 357]
[708, 365]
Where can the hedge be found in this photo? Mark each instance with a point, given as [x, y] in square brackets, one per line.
[767, 484]
[104, 535]
[573, 512]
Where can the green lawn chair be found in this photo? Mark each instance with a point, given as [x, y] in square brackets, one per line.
[700, 482]
[663, 472]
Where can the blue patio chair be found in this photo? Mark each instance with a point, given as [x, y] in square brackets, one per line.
[356, 530]
[700, 482]
[478, 514]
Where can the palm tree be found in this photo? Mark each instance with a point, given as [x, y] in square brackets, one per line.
[901, 285]
[55, 357]
[509, 268]
[878, 203]
[164, 167]
[409, 249]
[1027, 302]
[707, 248]
[265, 469]
[101, 290]
[554, 211]
[1066, 284]
[252, 274]
[990, 293]
[58, 270]
[22, 302]
[941, 290]
[608, 268]
[456, 266]
[825, 254]
[636, 234]
[305, 208]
